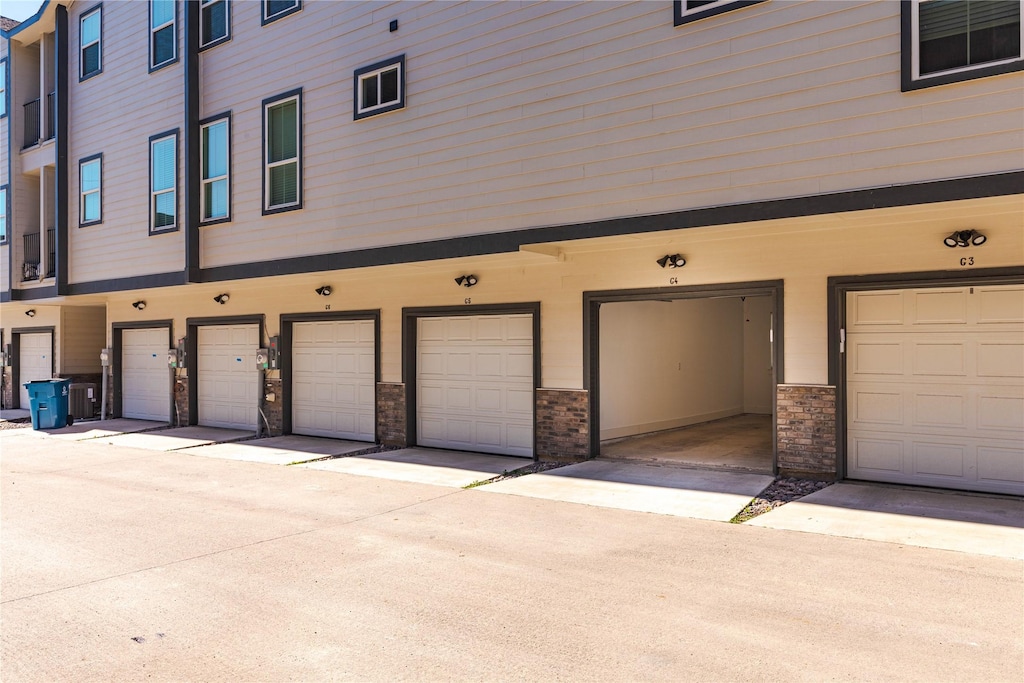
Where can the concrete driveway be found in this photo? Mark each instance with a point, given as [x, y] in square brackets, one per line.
[131, 564]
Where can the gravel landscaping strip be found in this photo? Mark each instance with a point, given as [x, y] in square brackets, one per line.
[17, 423]
[366, 451]
[781, 491]
[518, 472]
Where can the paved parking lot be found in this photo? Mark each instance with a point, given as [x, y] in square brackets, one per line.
[120, 563]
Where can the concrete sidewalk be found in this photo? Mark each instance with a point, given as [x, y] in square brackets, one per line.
[280, 450]
[177, 438]
[95, 429]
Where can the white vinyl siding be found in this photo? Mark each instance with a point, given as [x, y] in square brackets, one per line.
[216, 187]
[955, 36]
[163, 34]
[282, 142]
[214, 22]
[90, 173]
[163, 154]
[90, 44]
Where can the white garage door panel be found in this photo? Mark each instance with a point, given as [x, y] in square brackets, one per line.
[474, 386]
[334, 379]
[35, 361]
[228, 376]
[934, 391]
[145, 377]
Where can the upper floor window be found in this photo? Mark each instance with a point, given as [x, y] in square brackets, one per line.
[163, 175]
[91, 43]
[163, 36]
[3, 87]
[3, 214]
[276, 9]
[282, 152]
[380, 87]
[215, 164]
[214, 22]
[692, 10]
[945, 41]
[90, 179]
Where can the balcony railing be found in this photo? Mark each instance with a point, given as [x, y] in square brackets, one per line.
[51, 118]
[30, 268]
[31, 124]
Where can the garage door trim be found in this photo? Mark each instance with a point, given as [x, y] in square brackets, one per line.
[16, 357]
[839, 286]
[192, 352]
[117, 349]
[410, 348]
[285, 354]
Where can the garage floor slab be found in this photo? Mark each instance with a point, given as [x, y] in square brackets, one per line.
[177, 438]
[280, 450]
[95, 429]
[984, 525]
[700, 494]
[425, 466]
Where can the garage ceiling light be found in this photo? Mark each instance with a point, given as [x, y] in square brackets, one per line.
[671, 261]
[965, 238]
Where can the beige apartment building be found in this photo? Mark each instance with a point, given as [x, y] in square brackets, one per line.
[544, 229]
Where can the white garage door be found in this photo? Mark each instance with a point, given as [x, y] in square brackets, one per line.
[474, 385]
[228, 376]
[333, 379]
[35, 361]
[936, 387]
[145, 377]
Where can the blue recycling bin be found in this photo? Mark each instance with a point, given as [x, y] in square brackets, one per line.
[48, 403]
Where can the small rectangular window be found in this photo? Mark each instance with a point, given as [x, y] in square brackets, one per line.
[694, 10]
[163, 165]
[3, 214]
[215, 162]
[91, 43]
[956, 40]
[380, 87]
[282, 156]
[90, 178]
[3, 87]
[214, 22]
[277, 9]
[163, 36]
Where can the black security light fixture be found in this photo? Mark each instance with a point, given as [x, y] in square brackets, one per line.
[222, 298]
[139, 305]
[324, 291]
[671, 261]
[965, 238]
[466, 280]
[31, 312]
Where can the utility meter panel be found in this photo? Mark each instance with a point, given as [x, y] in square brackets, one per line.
[263, 359]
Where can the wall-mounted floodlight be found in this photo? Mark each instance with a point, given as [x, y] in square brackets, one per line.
[965, 238]
[324, 291]
[222, 298]
[139, 305]
[671, 261]
[466, 280]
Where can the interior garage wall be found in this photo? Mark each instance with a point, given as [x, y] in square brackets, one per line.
[758, 385]
[670, 364]
[83, 333]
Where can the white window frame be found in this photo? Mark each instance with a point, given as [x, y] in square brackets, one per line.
[3, 213]
[295, 96]
[173, 189]
[684, 15]
[267, 18]
[3, 87]
[915, 47]
[375, 71]
[83, 193]
[226, 176]
[153, 30]
[82, 75]
[205, 5]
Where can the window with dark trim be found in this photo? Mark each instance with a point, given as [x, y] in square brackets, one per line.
[379, 87]
[215, 168]
[3, 214]
[282, 152]
[278, 9]
[90, 41]
[947, 41]
[693, 10]
[90, 190]
[163, 33]
[3, 87]
[163, 182]
[214, 22]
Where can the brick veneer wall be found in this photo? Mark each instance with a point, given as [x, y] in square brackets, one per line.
[273, 410]
[391, 427]
[807, 431]
[180, 419]
[8, 396]
[563, 425]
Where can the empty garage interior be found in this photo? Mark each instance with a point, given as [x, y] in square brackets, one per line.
[688, 381]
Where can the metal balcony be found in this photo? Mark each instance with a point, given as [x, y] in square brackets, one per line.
[30, 266]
